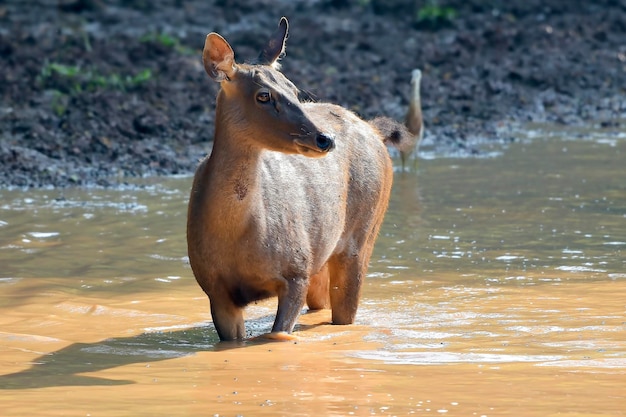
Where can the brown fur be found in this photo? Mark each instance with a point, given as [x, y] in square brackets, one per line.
[291, 199]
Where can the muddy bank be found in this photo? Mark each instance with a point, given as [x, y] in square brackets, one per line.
[94, 92]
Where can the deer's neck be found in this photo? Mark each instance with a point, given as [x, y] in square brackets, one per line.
[415, 103]
[234, 169]
[229, 183]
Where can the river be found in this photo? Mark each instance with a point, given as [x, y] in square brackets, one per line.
[497, 288]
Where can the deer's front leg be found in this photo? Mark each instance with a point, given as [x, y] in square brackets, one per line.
[227, 316]
[290, 301]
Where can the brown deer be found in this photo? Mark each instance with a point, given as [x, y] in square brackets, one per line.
[291, 198]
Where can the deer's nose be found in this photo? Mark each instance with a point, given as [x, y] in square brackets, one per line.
[324, 142]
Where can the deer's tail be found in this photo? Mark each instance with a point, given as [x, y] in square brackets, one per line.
[394, 133]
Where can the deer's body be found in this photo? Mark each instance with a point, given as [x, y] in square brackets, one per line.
[272, 211]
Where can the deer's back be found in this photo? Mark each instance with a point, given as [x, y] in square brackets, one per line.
[362, 155]
[322, 204]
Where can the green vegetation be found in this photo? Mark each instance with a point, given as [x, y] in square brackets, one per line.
[74, 79]
[64, 81]
[434, 14]
[64, 70]
[161, 38]
[59, 103]
[167, 41]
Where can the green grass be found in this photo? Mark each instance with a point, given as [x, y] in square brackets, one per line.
[64, 81]
[168, 41]
[434, 13]
[78, 79]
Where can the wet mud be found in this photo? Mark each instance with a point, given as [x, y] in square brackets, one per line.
[94, 92]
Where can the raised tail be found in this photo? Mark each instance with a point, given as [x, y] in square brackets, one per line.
[394, 133]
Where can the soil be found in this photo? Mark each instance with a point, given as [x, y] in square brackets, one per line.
[94, 92]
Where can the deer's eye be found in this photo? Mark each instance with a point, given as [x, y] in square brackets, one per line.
[263, 96]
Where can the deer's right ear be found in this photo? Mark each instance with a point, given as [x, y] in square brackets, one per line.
[275, 48]
[218, 58]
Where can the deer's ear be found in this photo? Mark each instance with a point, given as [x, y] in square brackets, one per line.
[275, 48]
[218, 58]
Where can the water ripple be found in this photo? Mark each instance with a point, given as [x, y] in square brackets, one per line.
[439, 358]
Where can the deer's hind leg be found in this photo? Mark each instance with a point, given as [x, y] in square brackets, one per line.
[317, 297]
[346, 277]
[348, 269]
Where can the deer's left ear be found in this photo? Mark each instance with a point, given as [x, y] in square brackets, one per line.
[275, 48]
[218, 58]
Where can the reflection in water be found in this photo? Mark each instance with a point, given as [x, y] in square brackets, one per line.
[497, 287]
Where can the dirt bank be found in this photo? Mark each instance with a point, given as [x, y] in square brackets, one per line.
[95, 91]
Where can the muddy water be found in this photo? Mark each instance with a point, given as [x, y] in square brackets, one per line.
[498, 287]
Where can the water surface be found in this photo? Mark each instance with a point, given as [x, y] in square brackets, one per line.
[497, 287]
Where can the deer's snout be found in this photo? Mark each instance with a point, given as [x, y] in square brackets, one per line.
[325, 142]
[315, 145]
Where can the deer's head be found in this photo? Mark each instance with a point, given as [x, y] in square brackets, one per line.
[258, 103]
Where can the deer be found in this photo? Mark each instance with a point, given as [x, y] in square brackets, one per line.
[291, 198]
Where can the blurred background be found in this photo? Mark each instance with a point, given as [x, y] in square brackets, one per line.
[96, 91]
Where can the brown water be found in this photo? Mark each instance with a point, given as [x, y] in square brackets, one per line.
[498, 287]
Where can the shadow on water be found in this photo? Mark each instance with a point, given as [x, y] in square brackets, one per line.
[61, 368]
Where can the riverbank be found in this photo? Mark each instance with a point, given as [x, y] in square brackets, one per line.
[95, 92]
